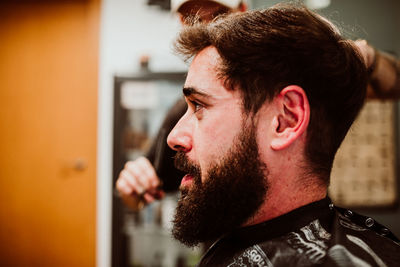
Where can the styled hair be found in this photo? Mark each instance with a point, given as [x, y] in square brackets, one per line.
[263, 51]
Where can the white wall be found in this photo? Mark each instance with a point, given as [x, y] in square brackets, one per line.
[129, 29]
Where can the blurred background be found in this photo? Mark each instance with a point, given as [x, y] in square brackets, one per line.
[84, 85]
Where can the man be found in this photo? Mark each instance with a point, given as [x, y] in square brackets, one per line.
[271, 95]
[140, 182]
[146, 178]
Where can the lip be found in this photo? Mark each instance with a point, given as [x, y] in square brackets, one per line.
[187, 180]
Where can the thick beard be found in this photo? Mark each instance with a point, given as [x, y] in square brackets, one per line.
[232, 191]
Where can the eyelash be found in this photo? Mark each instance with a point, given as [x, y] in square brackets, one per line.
[196, 106]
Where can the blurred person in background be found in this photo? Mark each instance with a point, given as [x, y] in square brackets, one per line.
[147, 178]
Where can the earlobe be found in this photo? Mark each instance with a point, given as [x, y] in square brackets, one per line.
[292, 117]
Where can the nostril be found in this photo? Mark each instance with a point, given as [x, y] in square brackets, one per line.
[179, 147]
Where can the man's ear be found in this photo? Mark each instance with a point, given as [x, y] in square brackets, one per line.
[292, 118]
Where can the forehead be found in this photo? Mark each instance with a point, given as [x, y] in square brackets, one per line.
[203, 72]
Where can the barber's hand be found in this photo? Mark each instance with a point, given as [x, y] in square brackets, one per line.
[367, 52]
[138, 184]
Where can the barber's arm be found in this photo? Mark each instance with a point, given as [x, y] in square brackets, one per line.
[384, 72]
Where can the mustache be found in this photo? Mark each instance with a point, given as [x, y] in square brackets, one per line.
[182, 163]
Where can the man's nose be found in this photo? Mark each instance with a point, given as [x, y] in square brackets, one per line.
[179, 138]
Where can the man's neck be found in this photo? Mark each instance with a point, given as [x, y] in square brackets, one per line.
[283, 198]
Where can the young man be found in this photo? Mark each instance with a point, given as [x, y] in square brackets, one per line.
[271, 95]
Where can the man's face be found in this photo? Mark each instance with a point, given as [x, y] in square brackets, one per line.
[214, 116]
[217, 143]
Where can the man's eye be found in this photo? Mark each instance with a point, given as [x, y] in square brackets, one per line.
[196, 106]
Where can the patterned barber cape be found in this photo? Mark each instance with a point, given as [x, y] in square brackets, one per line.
[318, 234]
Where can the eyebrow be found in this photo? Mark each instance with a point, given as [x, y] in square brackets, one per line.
[188, 91]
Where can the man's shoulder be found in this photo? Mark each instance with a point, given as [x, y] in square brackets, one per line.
[304, 246]
[350, 222]
[361, 239]
[345, 237]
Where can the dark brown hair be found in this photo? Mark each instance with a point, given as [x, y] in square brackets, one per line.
[263, 51]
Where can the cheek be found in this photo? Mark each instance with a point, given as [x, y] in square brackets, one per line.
[205, 145]
[211, 142]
